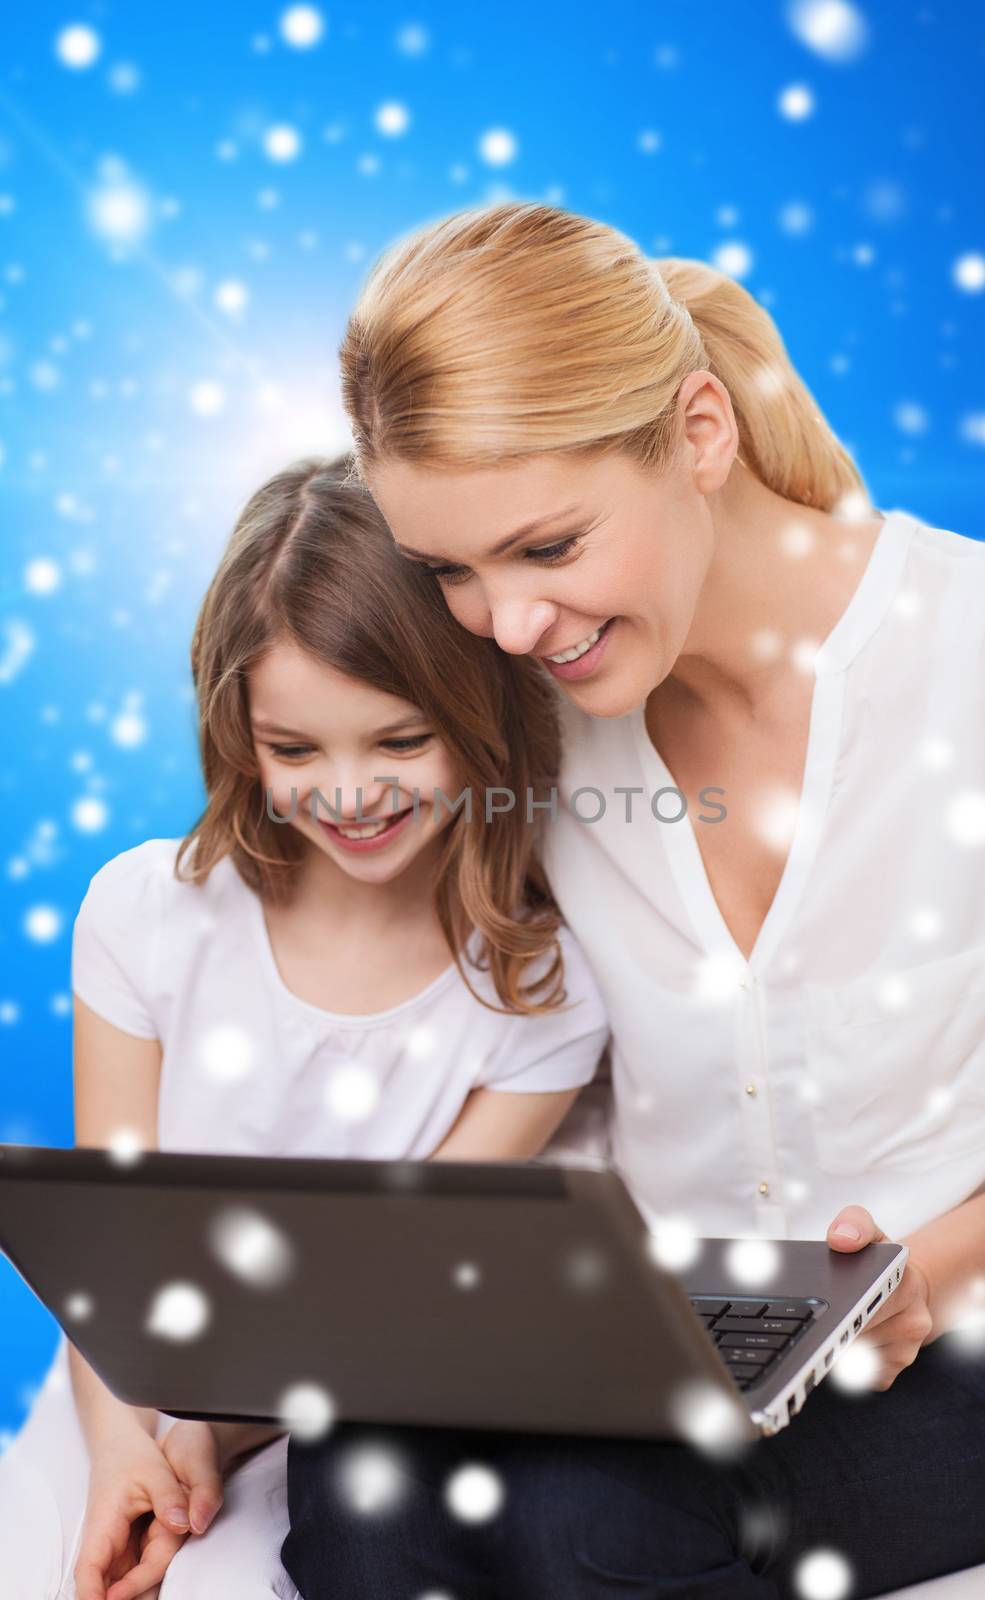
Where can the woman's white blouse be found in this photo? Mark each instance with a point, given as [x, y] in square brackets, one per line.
[248, 1066]
[845, 1060]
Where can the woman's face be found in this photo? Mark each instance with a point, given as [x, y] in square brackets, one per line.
[364, 751]
[604, 559]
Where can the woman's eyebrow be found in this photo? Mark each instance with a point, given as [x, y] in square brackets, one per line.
[504, 544]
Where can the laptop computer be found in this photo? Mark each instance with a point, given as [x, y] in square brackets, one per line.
[489, 1295]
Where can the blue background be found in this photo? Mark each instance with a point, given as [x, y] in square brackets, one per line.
[142, 398]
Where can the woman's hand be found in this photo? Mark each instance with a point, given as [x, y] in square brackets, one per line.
[144, 1498]
[902, 1324]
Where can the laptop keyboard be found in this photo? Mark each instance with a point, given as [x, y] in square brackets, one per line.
[751, 1334]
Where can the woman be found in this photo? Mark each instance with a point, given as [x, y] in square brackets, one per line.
[610, 464]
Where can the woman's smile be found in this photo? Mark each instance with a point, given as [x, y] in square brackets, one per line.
[590, 651]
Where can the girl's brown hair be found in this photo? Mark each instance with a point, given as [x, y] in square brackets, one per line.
[312, 563]
[519, 328]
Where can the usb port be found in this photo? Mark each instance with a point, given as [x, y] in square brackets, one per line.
[873, 1303]
[844, 1337]
[809, 1384]
[857, 1323]
[828, 1359]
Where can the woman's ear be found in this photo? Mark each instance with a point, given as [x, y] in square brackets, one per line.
[709, 429]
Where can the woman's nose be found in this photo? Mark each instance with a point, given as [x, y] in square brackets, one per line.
[518, 625]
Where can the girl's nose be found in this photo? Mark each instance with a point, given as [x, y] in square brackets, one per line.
[519, 624]
[353, 795]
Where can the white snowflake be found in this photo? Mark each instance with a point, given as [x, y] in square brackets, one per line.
[43, 924]
[42, 576]
[796, 102]
[498, 147]
[179, 1311]
[392, 118]
[823, 1575]
[833, 29]
[969, 272]
[307, 1410]
[251, 1246]
[733, 258]
[474, 1493]
[78, 46]
[412, 39]
[302, 27]
[282, 143]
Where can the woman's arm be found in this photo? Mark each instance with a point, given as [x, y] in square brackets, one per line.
[498, 1125]
[951, 1251]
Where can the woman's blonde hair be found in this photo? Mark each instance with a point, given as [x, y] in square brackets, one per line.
[520, 328]
[311, 563]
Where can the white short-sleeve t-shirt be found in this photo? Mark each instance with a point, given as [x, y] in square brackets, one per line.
[250, 1067]
[845, 1060]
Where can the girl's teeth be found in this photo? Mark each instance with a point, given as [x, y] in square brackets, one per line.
[578, 649]
[368, 831]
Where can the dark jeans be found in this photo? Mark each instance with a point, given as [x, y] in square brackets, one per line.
[893, 1481]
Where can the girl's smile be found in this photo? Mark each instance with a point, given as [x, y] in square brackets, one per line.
[371, 835]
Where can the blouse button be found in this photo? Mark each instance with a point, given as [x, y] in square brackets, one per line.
[764, 1187]
[750, 1088]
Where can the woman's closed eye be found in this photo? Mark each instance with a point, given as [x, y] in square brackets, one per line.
[546, 553]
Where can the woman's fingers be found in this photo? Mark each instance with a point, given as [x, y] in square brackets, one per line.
[852, 1228]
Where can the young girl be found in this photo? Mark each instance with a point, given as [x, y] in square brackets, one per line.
[339, 960]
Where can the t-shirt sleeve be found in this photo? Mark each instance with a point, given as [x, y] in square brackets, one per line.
[113, 942]
[561, 1049]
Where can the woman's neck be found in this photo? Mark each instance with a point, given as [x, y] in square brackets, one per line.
[780, 577]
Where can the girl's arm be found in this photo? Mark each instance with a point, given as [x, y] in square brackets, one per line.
[499, 1125]
[117, 1082]
[116, 1086]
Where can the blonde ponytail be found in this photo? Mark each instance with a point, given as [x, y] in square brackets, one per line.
[520, 328]
[783, 438]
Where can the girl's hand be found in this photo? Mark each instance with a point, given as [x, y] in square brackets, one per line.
[902, 1324]
[189, 1449]
[192, 1450]
[120, 1556]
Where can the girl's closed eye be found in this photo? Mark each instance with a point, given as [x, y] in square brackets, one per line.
[290, 752]
[548, 554]
[402, 746]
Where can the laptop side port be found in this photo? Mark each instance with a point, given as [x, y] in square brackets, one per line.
[844, 1337]
[872, 1304]
[857, 1324]
[828, 1358]
[809, 1383]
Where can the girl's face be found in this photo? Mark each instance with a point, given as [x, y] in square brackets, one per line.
[554, 555]
[364, 751]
